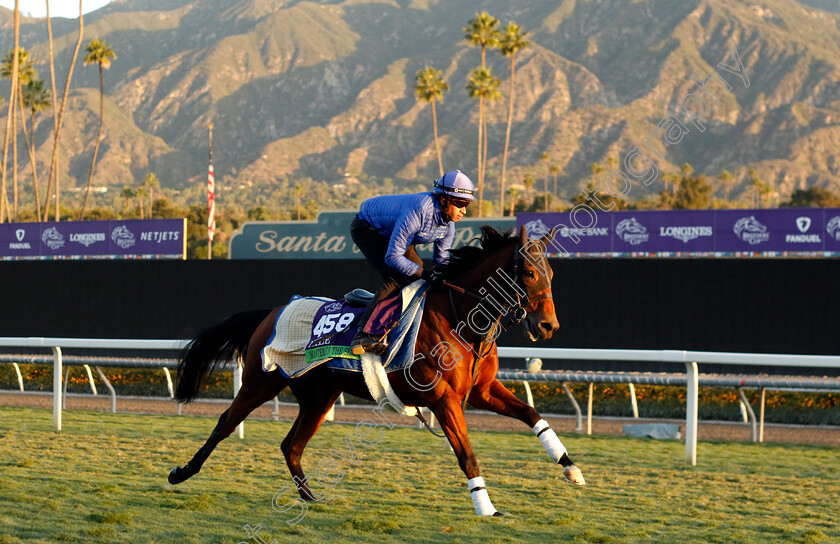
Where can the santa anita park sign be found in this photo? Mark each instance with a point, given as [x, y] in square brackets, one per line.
[328, 237]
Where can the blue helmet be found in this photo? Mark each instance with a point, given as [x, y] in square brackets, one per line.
[455, 184]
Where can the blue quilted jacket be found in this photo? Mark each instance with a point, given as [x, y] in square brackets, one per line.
[407, 220]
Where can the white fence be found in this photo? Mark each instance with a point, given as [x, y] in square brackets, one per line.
[688, 358]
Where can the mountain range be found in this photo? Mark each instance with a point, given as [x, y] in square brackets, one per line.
[324, 90]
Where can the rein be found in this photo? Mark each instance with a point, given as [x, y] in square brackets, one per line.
[513, 314]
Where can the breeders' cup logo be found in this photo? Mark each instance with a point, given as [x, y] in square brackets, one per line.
[632, 232]
[122, 237]
[52, 238]
[750, 230]
[536, 229]
[833, 228]
[333, 307]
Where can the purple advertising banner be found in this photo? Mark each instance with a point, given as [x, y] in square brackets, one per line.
[137, 238]
[809, 232]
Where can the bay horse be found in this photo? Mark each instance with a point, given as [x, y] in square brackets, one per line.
[504, 281]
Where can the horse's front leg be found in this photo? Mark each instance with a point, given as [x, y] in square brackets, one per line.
[451, 418]
[495, 397]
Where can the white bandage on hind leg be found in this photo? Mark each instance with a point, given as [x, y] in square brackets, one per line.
[480, 498]
[549, 440]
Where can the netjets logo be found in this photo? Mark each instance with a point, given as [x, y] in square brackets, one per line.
[52, 238]
[833, 228]
[686, 234]
[751, 231]
[123, 237]
[632, 232]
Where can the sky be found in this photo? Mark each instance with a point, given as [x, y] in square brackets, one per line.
[58, 8]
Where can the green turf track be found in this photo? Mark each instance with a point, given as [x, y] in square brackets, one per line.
[103, 479]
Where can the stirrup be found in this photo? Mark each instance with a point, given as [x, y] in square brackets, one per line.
[368, 344]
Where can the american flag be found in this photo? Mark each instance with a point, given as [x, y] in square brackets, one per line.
[211, 195]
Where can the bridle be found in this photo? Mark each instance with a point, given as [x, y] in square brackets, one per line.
[509, 314]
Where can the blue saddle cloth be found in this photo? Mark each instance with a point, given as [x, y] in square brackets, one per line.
[401, 339]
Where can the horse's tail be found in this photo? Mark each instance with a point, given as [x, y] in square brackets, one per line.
[213, 345]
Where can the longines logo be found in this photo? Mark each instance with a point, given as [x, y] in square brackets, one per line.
[686, 234]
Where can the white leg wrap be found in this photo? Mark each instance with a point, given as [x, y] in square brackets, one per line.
[549, 440]
[480, 498]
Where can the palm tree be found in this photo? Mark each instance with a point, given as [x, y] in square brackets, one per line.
[141, 194]
[514, 192]
[127, 195]
[150, 182]
[25, 73]
[4, 204]
[299, 191]
[57, 135]
[100, 53]
[35, 98]
[544, 157]
[512, 41]
[483, 31]
[483, 85]
[556, 170]
[54, 110]
[528, 181]
[429, 87]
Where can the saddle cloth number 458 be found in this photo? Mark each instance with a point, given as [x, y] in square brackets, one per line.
[335, 322]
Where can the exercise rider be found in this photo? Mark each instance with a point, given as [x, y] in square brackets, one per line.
[386, 229]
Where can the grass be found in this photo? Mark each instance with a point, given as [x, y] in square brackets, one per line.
[103, 479]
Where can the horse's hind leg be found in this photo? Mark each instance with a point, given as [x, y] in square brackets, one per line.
[253, 394]
[495, 397]
[314, 405]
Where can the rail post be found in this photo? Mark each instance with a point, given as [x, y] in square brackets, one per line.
[691, 413]
[57, 373]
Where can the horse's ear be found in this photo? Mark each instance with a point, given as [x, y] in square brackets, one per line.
[549, 236]
[523, 236]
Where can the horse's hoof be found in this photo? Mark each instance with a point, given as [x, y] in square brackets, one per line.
[573, 475]
[497, 514]
[177, 475]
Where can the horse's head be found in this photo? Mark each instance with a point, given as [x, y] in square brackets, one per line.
[535, 276]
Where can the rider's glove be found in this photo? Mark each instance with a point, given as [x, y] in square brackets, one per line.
[434, 277]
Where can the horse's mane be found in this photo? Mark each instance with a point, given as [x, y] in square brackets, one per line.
[465, 257]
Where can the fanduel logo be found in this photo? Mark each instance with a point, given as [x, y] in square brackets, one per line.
[19, 234]
[686, 234]
[87, 238]
[803, 224]
[751, 231]
[632, 232]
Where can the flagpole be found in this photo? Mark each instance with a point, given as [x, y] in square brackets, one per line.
[211, 201]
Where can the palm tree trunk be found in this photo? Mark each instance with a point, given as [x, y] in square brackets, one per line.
[437, 145]
[4, 202]
[30, 149]
[507, 134]
[96, 148]
[555, 184]
[484, 157]
[546, 188]
[54, 110]
[12, 108]
[480, 164]
[54, 159]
